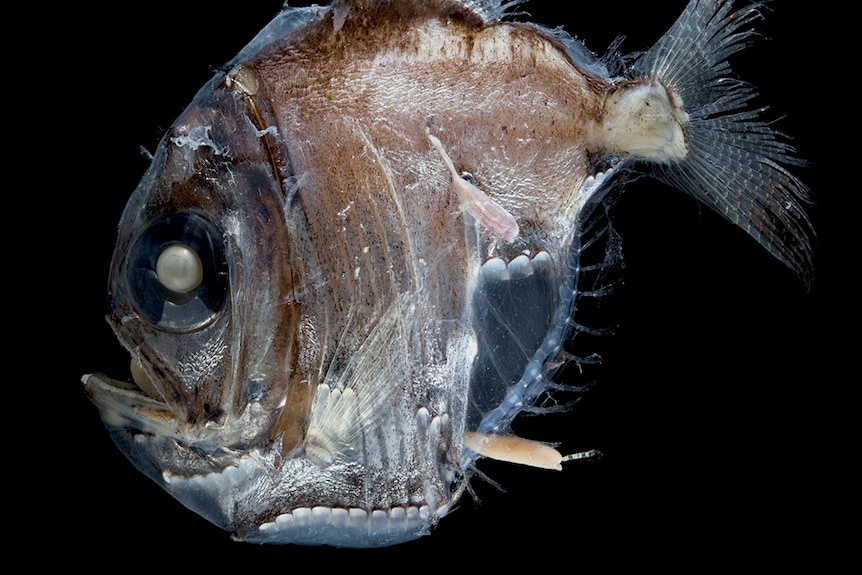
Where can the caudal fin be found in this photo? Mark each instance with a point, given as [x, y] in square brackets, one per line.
[735, 163]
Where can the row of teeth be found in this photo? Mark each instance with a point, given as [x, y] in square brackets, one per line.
[520, 267]
[354, 518]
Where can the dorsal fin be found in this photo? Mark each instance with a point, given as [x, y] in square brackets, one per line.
[486, 10]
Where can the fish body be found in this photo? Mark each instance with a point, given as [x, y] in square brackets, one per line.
[357, 254]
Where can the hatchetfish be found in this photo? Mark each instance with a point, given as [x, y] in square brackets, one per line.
[358, 254]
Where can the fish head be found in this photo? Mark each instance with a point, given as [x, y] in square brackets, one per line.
[198, 294]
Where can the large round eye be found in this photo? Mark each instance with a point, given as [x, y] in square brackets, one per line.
[177, 272]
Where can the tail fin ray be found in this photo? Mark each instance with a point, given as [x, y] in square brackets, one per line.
[736, 161]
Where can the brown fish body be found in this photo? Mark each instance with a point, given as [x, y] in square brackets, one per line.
[354, 258]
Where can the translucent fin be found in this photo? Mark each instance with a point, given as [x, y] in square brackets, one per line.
[736, 162]
[491, 10]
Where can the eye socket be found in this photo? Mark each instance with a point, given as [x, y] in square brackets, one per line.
[177, 272]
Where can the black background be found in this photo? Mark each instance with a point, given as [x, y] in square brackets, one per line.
[720, 411]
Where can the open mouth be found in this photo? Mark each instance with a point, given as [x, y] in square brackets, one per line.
[133, 401]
